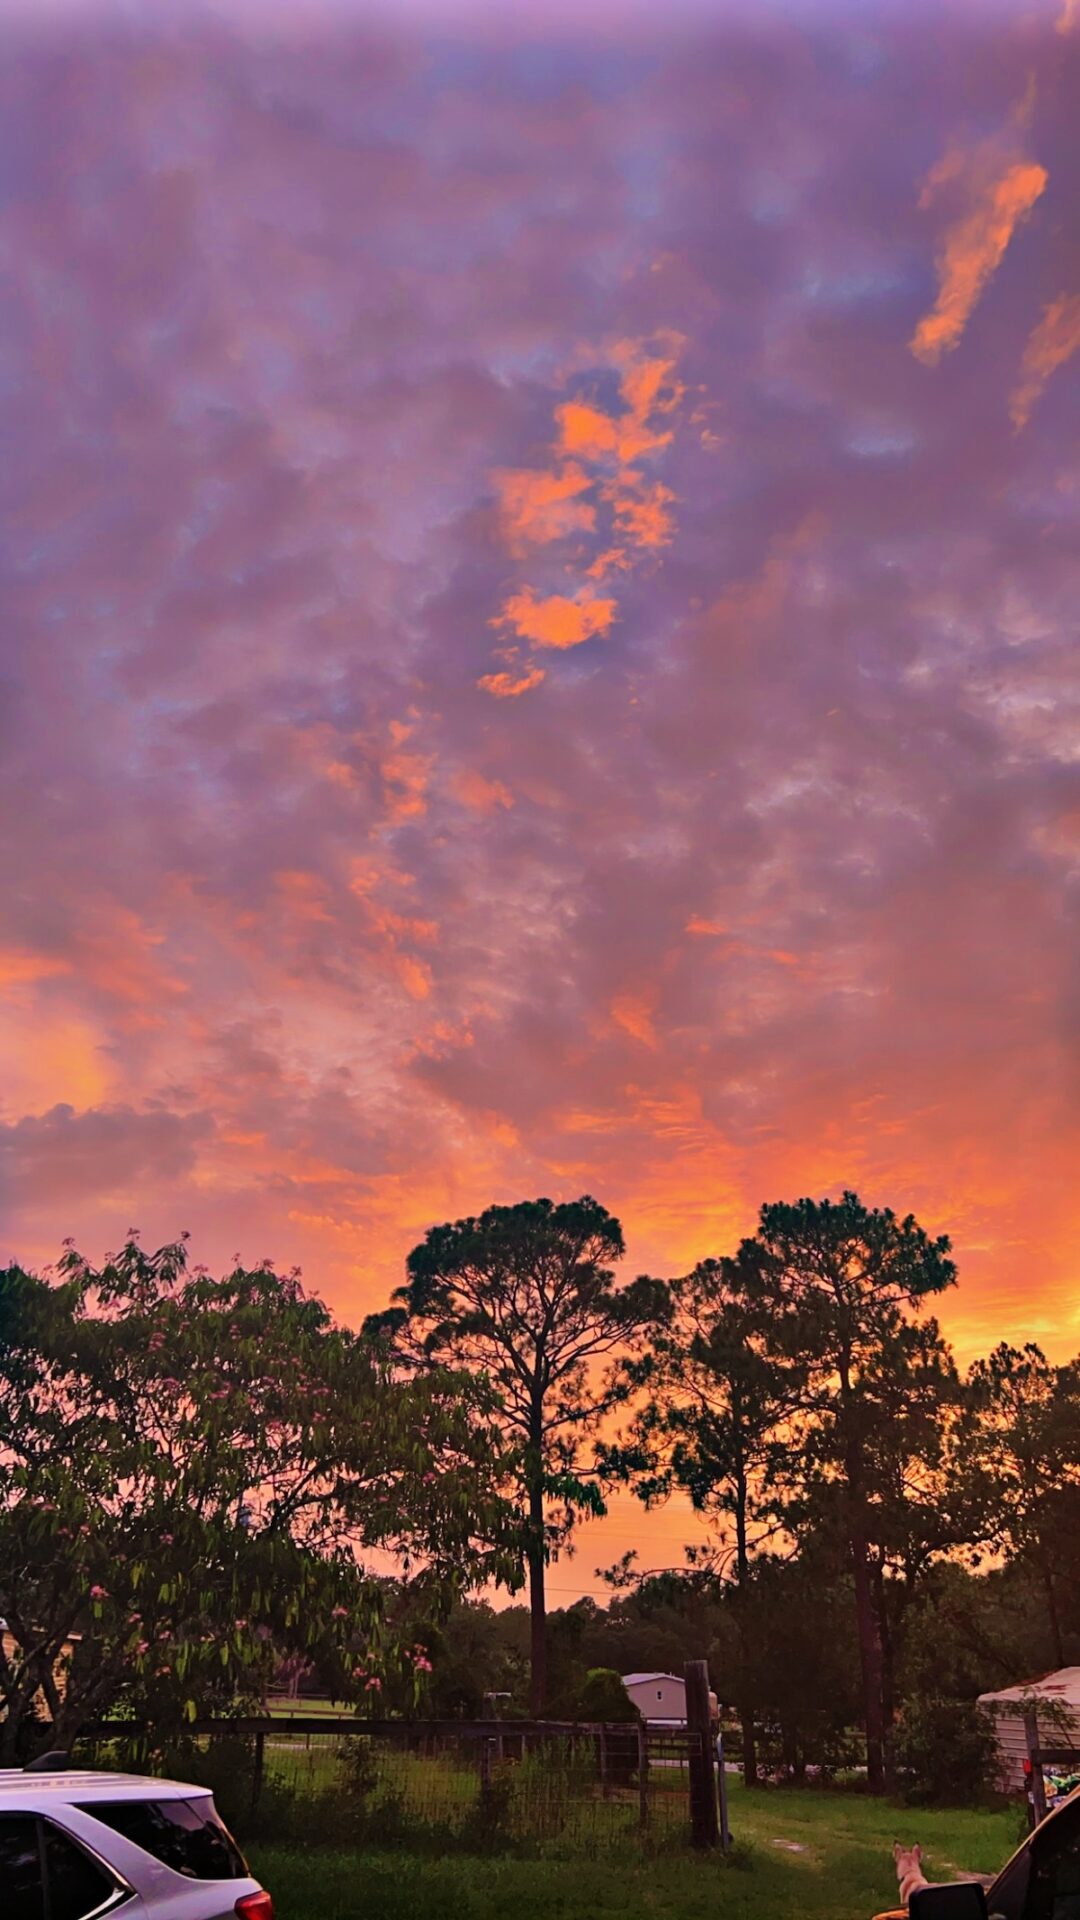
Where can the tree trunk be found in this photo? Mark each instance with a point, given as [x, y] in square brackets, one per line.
[869, 1659]
[1052, 1613]
[746, 1703]
[888, 1671]
[538, 1677]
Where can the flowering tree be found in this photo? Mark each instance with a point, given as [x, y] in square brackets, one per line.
[193, 1472]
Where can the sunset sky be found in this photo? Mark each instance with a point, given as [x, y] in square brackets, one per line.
[542, 568]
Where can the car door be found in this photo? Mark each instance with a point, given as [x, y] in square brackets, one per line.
[1042, 1882]
[1054, 1893]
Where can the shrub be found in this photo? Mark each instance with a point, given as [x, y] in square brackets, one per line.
[946, 1748]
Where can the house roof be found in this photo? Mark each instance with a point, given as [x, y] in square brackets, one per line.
[1064, 1685]
[635, 1679]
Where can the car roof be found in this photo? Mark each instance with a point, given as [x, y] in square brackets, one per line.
[71, 1784]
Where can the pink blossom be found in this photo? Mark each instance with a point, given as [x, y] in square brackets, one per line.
[166, 1539]
[423, 1664]
[340, 1613]
[374, 1684]
[143, 1646]
[98, 1593]
[239, 1625]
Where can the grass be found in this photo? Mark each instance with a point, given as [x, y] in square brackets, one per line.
[842, 1869]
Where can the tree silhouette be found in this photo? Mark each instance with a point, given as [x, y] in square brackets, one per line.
[840, 1286]
[527, 1295]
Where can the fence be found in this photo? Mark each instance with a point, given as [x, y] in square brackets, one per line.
[1051, 1773]
[444, 1786]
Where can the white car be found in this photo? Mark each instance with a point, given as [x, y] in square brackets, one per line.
[79, 1846]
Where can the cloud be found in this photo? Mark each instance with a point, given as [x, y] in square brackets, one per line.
[1052, 342]
[541, 507]
[558, 620]
[778, 902]
[481, 795]
[1069, 16]
[537, 507]
[642, 517]
[507, 686]
[63, 1157]
[995, 195]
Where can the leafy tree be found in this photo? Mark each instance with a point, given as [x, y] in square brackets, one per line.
[711, 1424]
[840, 1286]
[526, 1296]
[190, 1471]
[946, 1747]
[1021, 1447]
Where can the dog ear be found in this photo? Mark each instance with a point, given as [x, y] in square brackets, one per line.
[916, 1851]
[896, 1849]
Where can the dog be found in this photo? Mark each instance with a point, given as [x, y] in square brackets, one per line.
[909, 1870]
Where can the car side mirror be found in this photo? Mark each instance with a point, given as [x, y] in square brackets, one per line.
[958, 1900]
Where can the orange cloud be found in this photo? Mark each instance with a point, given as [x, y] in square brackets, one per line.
[594, 435]
[558, 621]
[19, 967]
[304, 895]
[999, 195]
[507, 686]
[480, 795]
[642, 518]
[52, 1058]
[405, 775]
[634, 1015]
[538, 507]
[648, 382]
[1068, 17]
[1053, 341]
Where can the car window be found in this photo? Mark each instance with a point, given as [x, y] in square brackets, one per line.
[78, 1886]
[1055, 1893]
[20, 1868]
[185, 1835]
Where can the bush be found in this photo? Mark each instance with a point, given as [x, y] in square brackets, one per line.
[946, 1748]
[602, 1696]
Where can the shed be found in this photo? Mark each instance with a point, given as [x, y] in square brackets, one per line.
[660, 1698]
[1055, 1700]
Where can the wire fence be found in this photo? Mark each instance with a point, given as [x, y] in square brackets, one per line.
[476, 1787]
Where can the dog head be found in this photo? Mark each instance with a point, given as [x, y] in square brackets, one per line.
[908, 1860]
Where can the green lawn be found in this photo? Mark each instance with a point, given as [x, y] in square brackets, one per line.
[842, 1869]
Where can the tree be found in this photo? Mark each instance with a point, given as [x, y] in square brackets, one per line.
[525, 1296]
[191, 1470]
[716, 1402]
[1022, 1453]
[840, 1286]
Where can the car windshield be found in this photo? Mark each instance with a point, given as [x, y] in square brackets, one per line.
[185, 1835]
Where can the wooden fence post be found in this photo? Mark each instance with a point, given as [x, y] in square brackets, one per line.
[642, 1775]
[704, 1824]
[605, 1779]
[1038, 1784]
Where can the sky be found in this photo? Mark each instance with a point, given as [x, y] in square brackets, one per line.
[541, 576]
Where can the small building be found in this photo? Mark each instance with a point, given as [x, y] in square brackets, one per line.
[1055, 1701]
[660, 1698]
